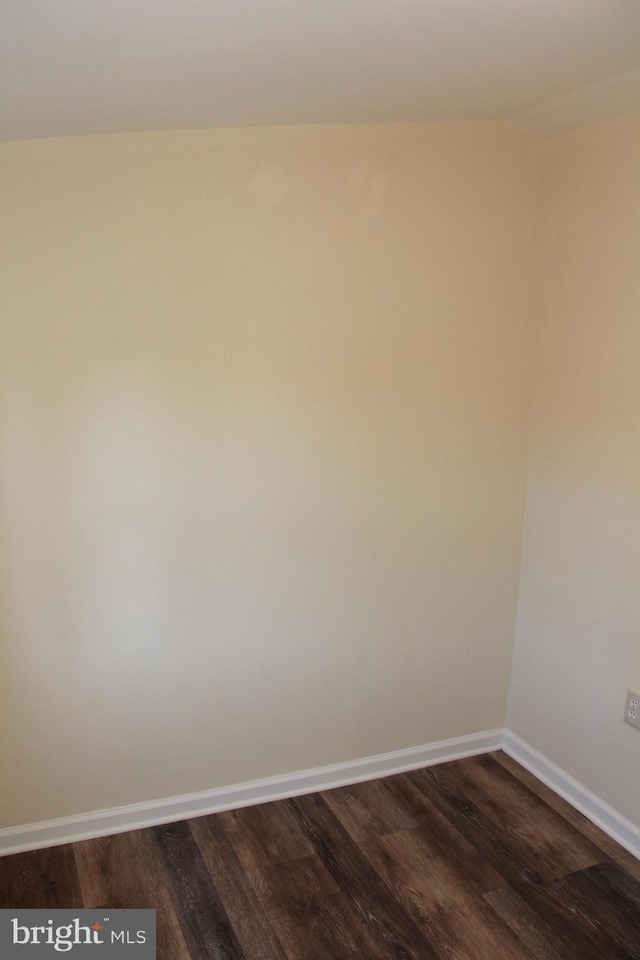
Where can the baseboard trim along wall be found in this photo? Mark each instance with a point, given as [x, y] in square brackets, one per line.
[136, 816]
[618, 827]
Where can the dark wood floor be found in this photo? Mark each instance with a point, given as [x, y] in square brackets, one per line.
[470, 860]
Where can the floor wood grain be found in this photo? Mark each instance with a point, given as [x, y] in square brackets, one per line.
[125, 871]
[467, 860]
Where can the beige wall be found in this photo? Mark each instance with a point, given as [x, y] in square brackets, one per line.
[578, 635]
[264, 411]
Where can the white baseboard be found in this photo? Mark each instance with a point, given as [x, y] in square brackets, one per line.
[135, 816]
[580, 797]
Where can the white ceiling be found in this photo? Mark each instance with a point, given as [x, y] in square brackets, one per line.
[100, 66]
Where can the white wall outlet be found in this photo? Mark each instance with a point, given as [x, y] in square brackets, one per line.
[632, 709]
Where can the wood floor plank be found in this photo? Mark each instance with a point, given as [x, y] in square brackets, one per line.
[42, 878]
[311, 917]
[367, 810]
[508, 800]
[439, 838]
[504, 850]
[610, 849]
[576, 934]
[266, 832]
[441, 899]
[522, 841]
[611, 898]
[389, 925]
[124, 872]
[530, 927]
[250, 922]
[206, 927]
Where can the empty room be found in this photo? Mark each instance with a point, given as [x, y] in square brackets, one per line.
[320, 479]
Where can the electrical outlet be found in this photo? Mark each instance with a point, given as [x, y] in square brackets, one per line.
[632, 709]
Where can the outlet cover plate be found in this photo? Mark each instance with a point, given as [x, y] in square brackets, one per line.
[632, 709]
